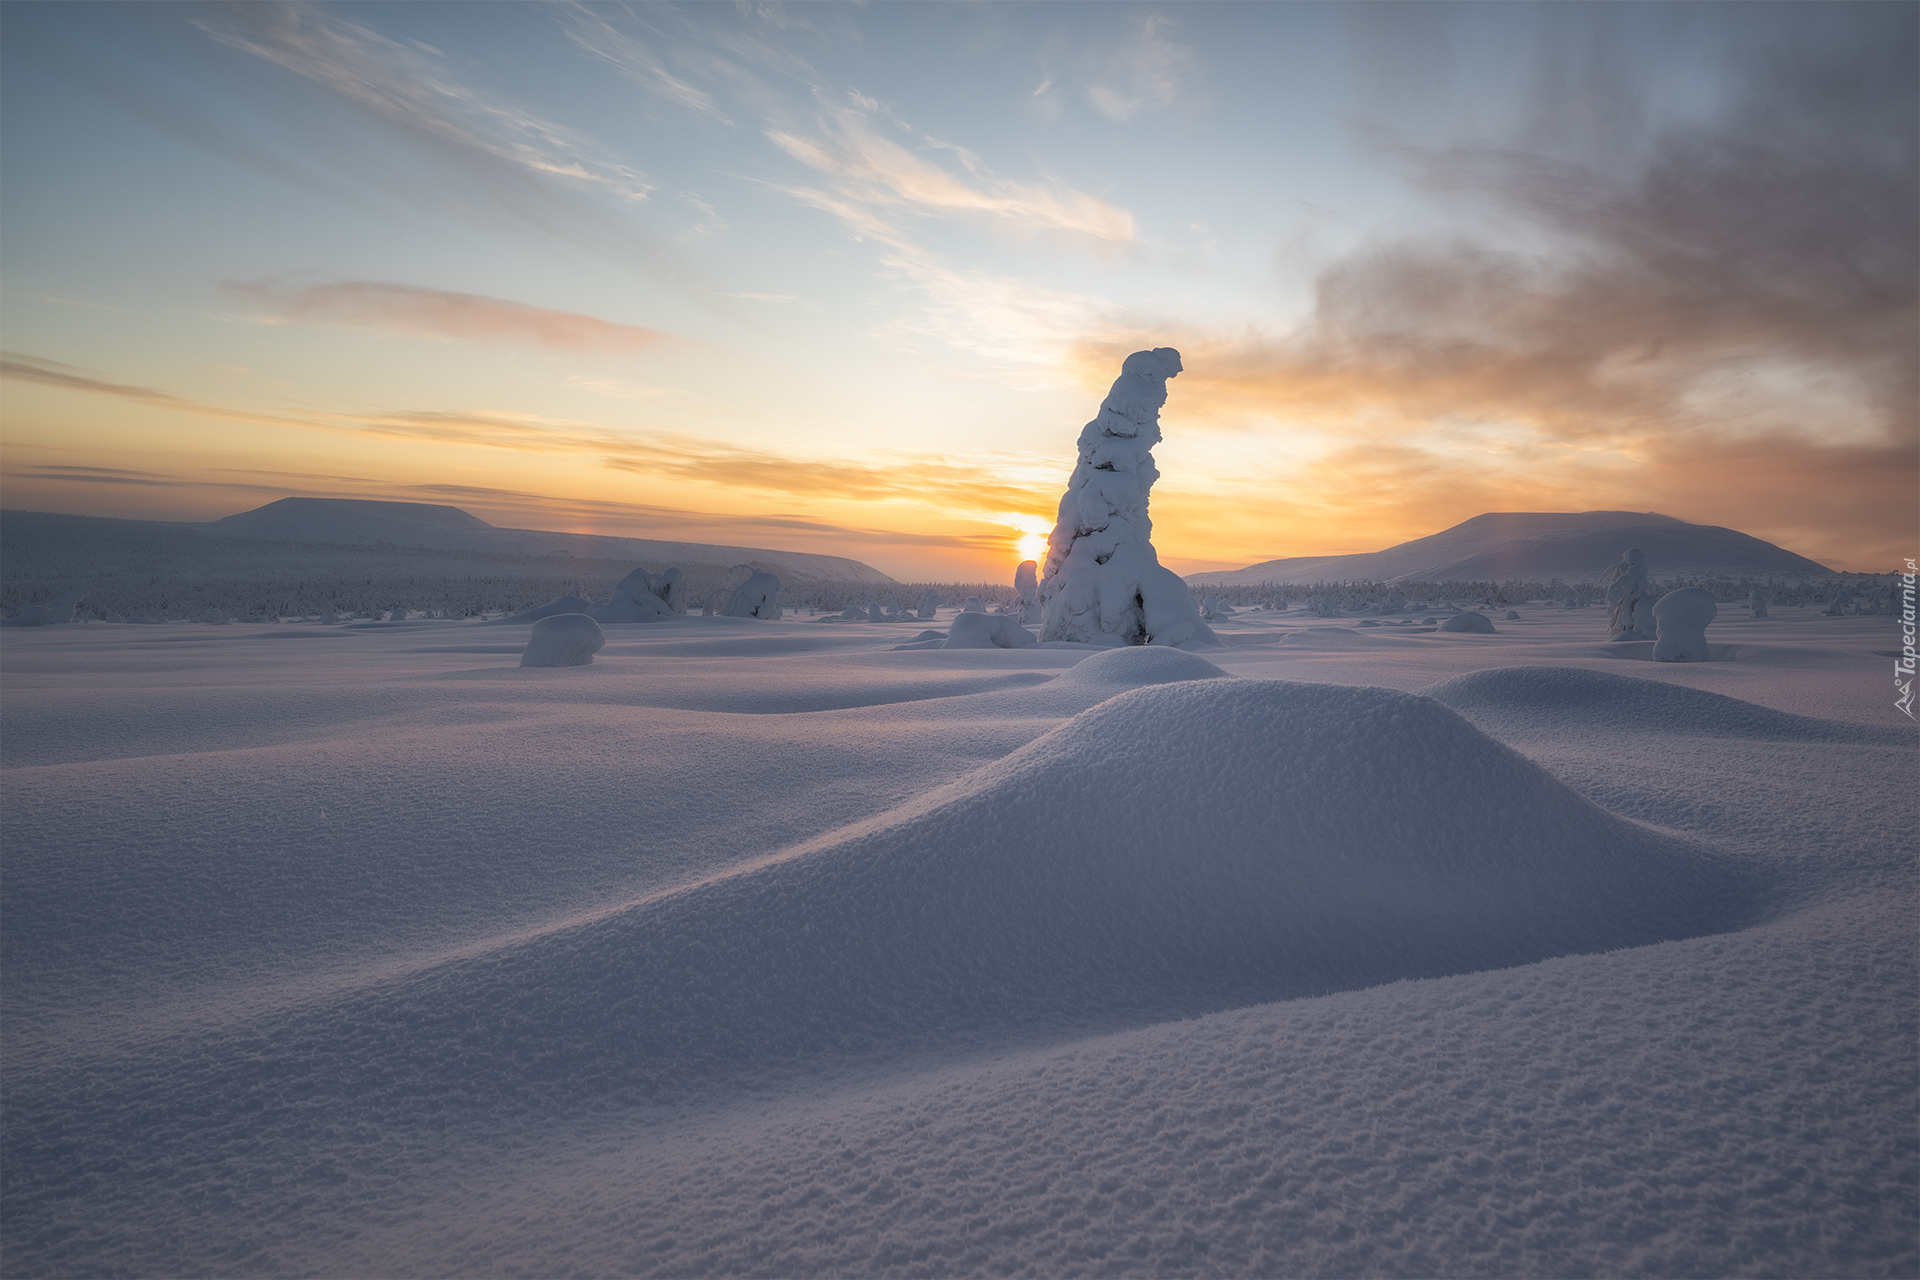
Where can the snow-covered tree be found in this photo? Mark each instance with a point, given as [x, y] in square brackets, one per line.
[1103, 583]
[1026, 581]
[1630, 598]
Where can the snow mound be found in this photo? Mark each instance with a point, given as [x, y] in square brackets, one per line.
[1136, 666]
[1471, 621]
[563, 640]
[1547, 699]
[987, 631]
[1682, 617]
[563, 604]
[1352, 837]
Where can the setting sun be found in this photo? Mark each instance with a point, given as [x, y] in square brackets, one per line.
[1032, 546]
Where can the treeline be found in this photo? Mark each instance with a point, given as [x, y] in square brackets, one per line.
[1852, 592]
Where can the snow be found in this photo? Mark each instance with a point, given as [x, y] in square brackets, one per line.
[1630, 598]
[638, 597]
[568, 604]
[972, 630]
[563, 640]
[1471, 620]
[1103, 583]
[1026, 581]
[754, 597]
[1682, 617]
[1757, 602]
[757, 947]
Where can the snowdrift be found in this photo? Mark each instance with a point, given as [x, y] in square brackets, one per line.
[1177, 849]
[1513, 699]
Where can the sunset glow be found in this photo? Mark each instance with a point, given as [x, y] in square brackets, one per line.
[851, 279]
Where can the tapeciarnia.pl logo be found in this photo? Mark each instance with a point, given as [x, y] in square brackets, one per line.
[1903, 665]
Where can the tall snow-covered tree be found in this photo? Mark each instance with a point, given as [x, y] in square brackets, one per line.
[1103, 583]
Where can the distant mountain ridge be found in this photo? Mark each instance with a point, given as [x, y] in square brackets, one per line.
[1539, 546]
[444, 528]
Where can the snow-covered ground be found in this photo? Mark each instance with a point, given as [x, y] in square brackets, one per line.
[762, 948]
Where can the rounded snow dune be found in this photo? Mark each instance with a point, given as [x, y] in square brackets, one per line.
[1177, 849]
[1552, 697]
[1137, 666]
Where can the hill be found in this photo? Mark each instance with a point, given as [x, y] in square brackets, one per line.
[442, 528]
[1538, 546]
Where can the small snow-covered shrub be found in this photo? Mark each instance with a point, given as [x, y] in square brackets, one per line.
[1682, 617]
[1757, 603]
[929, 602]
[563, 640]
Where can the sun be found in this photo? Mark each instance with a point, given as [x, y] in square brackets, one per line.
[1033, 546]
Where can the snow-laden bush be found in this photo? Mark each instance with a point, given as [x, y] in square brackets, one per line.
[987, 631]
[1757, 602]
[1103, 583]
[929, 602]
[1682, 617]
[563, 640]
[1630, 598]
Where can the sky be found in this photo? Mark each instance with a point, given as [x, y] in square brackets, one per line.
[851, 278]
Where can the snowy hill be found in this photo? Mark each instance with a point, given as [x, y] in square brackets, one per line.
[419, 524]
[1538, 546]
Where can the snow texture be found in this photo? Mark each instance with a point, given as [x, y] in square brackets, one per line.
[1103, 583]
[563, 640]
[987, 631]
[357, 950]
[1630, 598]
[1682, 617]
[1472, 621]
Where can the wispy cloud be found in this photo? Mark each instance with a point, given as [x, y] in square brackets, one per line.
[25, 368]
[436, 313]
[463, 153]
[590, 29]
[1144, 73]
[868, 168]
[412, 92]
